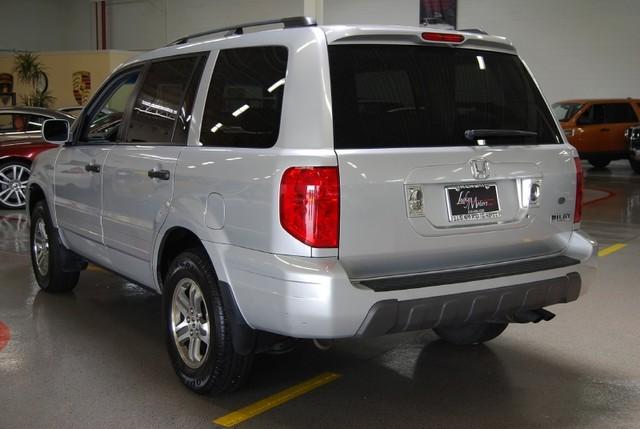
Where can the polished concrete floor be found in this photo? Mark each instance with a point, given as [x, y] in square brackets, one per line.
[95, 357]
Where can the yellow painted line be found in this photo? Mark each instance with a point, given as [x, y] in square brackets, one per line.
[611, 249]
[250, 411]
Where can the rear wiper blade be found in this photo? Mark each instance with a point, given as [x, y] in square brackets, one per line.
[474, 135]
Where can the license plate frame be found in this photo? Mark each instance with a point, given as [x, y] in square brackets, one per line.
[472, 202]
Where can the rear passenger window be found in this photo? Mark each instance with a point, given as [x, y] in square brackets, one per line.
[244, 101]
[163, 106]
[619, 113]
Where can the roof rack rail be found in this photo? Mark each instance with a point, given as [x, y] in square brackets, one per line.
[291, 22]
[473, 30]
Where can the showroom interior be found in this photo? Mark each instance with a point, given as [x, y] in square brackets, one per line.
[382, 305]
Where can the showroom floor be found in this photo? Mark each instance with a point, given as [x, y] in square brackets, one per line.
[95, 357]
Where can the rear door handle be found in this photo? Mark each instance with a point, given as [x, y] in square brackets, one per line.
[92, 168]
[159, 174]
[605, 129]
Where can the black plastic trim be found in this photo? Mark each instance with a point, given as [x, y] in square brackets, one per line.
[243, 336]
[469, 274]
[391, 316]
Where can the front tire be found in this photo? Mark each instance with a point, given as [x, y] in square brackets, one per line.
[47, 253]
[13, 184]
[471, 333]
[198, 334]
[635, 165]
[599, 162]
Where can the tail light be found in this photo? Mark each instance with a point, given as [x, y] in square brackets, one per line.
[577, 213]
[443, 37]
[310, 205]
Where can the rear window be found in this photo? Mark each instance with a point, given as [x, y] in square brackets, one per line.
[565, 111]
[416, 96]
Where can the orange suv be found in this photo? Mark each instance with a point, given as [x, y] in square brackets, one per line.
[596, 127]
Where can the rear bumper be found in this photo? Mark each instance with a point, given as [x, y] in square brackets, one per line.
[314, 298]
[387, 317]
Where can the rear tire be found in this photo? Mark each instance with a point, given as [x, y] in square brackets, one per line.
[194, 315]
[471, 333]
[635, 165]
[47, 253]
[599, 162]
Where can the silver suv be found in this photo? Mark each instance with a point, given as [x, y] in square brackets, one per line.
[316, 182]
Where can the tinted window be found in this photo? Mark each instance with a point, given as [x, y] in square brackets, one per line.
[35, 122]
[245, 98]
[619, 113]
[565, 111]
[593, 115]
[415, 96]
[160, 101]
[104, 122]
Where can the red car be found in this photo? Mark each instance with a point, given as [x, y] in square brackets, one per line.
[20, 142]
[16, 157]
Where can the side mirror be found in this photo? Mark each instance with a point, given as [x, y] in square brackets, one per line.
[55, 131]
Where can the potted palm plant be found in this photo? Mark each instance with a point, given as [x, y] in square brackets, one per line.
[31, 72]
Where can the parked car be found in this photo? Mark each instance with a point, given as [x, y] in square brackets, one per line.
[320, 183]
[18, 122]
[20, 142]
[633, 138]
[596, 127]
[16, 157]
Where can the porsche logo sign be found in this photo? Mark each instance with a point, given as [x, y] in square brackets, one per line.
[81, 86]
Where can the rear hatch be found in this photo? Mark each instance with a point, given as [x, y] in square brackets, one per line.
[448, 157]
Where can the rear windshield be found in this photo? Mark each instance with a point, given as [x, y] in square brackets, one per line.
[396, 96]
[565, 111]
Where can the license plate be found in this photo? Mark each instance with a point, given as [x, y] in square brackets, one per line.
[473, 202]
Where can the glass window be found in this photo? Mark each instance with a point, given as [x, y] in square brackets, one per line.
[6, 122]
[244, 101]
[160, 101]
[396, 96]
[619, 113]
[103, 124]
[592, 116]
[35, 122]
[565, 111]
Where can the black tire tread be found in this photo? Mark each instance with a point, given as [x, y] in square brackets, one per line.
[635, 165]
[229, 371]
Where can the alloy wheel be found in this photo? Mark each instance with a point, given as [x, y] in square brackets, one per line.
[13, 185]
[190, 323]
[41, 247]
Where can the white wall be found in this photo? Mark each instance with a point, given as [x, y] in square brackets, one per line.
[148, 24]
[401, 12]
[45, 25]
[575, 48]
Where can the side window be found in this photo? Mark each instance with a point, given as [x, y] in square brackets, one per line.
[244, 102]
[161, 102]
[104, 122]
[6, 122]
[35, 122]
[13, 122]
[592, 116]
[619, 113]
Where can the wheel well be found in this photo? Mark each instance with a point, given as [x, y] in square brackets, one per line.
[35, 194]
[175, 241]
